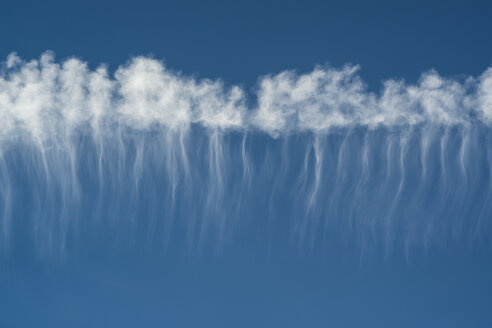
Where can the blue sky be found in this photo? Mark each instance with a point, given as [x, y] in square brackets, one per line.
[277, 185]
[241, 41]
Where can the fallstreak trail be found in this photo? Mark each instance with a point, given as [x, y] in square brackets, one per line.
[150, 152]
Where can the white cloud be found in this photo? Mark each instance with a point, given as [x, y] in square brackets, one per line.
[40, 97]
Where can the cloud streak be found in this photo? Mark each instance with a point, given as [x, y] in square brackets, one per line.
[150, 141]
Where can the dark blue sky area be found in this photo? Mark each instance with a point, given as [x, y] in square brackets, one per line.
[241, 40]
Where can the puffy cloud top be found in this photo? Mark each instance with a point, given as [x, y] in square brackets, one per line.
[43, 98]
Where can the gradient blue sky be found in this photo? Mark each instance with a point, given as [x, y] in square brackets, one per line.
[238, 42]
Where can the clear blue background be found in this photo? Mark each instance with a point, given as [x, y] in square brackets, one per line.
[241, 40]
[238, 41]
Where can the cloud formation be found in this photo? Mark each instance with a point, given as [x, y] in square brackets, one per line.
[410, 161]
[42, 98]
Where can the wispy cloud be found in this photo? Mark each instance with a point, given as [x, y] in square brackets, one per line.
[140, 122]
